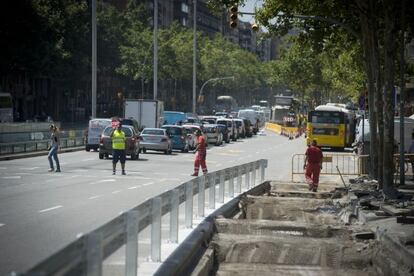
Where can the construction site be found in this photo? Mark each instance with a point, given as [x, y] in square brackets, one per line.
[281, 228]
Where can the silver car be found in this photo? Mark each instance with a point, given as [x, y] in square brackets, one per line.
[214, 135]
[155, 139]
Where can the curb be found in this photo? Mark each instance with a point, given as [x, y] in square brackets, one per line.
[37, 153]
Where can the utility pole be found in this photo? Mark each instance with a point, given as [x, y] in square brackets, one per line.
[155, 49]
[194, 56]
[93, 58]
[402, 95]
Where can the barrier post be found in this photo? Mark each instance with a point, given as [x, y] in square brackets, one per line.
[201, 195]
[94, 254]
[212, 191]
[231, 183]
[262, 170]
[254, 174]
[156, 229]
[189, 204]
[247, 176]
[221, 187]
[131, 247]
[175, 202]
[239, 179]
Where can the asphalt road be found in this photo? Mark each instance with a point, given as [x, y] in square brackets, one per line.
[41, 212]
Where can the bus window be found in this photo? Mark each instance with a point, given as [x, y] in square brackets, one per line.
[6, 107]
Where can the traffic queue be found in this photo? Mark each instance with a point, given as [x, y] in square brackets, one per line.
[178, 133]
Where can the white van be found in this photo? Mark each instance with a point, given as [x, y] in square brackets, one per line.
[96, 126]
[252, 116]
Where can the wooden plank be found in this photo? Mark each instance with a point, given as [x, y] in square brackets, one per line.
[389, 209]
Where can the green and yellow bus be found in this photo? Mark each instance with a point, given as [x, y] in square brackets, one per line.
[331, 126]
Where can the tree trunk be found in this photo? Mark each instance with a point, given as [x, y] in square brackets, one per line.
[390, 48]
[367, 39]
[378, 89]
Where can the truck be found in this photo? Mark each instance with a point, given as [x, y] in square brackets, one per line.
[148, 113]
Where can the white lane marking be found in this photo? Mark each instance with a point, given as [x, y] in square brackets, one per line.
[29, 169]
[88, 159]
[50, 209]
[96, 196]
[149, 183]
[2, 224]
[133, 187]
[117, 191]
[102, 181]
[12, 177]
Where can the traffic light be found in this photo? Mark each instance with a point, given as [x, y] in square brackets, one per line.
[255, 27]
[233, 16]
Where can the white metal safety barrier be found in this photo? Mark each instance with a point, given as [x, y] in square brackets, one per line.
[350, 164]
[86, 254]
[347, 164]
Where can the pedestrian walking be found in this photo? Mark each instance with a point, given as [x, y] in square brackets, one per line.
[313, 166]
[53, 149]
[201, 153]
[118, 148]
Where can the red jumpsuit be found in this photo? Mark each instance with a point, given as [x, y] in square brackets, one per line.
[313, 168]
[200, 157]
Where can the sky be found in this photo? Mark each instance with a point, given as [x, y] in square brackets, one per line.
[249, 7]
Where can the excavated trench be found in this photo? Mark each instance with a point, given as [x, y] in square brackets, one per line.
[291, 231]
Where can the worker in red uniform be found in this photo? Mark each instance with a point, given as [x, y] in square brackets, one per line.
[201, 152]
[313, 166]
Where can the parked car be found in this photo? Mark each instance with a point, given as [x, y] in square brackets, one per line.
[132, 145]
[240, 127]
[214, 135]
[178, 135]
[93, 134]
[175, 118]
[224, 130]
[191, 137]
[248, 128]
[155, 139]
[209, 119]
[230, 126]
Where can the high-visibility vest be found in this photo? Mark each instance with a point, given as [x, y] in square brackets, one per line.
[118, 140]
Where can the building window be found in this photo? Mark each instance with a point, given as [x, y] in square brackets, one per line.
[184, 7]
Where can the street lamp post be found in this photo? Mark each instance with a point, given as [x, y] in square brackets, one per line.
[194, 56]
[211, 80]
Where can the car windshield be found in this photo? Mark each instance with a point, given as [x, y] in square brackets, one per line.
[210, 129]
[238, 123]
[153, 132]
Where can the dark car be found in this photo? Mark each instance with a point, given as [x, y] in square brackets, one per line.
[224, 130]
[131, 143]
[248, 127]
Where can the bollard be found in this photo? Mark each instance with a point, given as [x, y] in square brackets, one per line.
[231, 184]
[131, 247]
[94, 254]
[239, 179]
[221, 187]
[156, 229]
[175, 202]
[189, 204]
[201, 195]
[212, 191]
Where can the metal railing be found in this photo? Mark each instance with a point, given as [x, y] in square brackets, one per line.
[86, 254]
[38, 145]
[349, 164]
